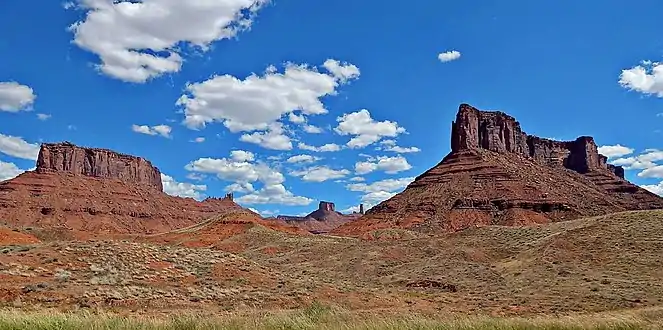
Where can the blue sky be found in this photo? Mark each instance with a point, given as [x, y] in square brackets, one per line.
[264, 81]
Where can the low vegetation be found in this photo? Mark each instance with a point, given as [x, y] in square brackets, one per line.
[318, 316]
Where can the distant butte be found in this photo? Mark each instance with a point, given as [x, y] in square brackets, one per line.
[496, 174]
[99, 191]
[322, 220]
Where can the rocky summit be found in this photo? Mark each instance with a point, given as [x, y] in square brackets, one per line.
[97, 191]
[496, 174]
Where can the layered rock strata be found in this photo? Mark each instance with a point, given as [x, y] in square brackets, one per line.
[498, 174]
[99, 191]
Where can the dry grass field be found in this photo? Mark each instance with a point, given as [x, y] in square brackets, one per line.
[556, 276]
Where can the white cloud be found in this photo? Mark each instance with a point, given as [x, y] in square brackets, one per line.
[352, 209]
[15, 146]
[376, 197]
[198, 140]
[312, 129]
[236, 171]
[615, 151]
[9, 171]
[138, 41]
[645, 160]
[329, 147]
[357, 179]
[319, 174]
[403, 150]
[240, 170]
[163, 130]
[655, 188]
[379, 191]
[449, 56]
[43, 116]
[342, 71]
[242, 156]
[652, 172]
[303, 159]
[646, 78]
[15, 97]
[389, 165]
[258, 101]
[296, 119]
[388, 185]
[274, 194]
[273, 138]
[243, 187]
[182, 189]
[366, 131]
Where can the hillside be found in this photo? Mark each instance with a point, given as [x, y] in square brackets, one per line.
[498, 175]
[595, 264]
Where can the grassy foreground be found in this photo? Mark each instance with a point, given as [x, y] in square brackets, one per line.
[321, 317]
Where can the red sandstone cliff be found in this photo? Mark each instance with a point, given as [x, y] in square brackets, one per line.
[102, 163]
[99, 191]
[497, 174]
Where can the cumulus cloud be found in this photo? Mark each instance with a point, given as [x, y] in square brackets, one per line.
[9, 171]
[615, 151]
[274, 194]
[312, 129]
[162, 130]
[329, 147]
[652, 172]
[379, 191]
[389, 165]
[342, 71]
[320, 173]
[449, 56]
[242, 156]
[243, 172]
[357, 179]
[255, 102]
[243, 187]
[645, 160]
[365, 130]
[303, 159]
[390, 145]
[646, 78]
[15, 97]
[182, 189]
[655, 188]
[140, 40]
[15, 146]
[198, 140]
[273, 139]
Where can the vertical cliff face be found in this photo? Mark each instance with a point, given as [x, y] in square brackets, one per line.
[102, 163]
[499, 132]
[327, 206]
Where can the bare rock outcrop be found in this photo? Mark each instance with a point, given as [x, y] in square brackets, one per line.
[496, 131]
[99, 191]
[102, 163]
[498, 174]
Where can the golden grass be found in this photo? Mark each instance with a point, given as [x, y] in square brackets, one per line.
[318, 316]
